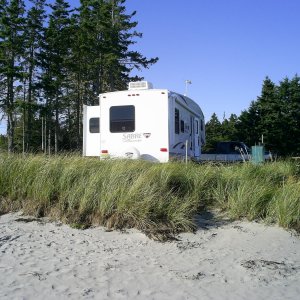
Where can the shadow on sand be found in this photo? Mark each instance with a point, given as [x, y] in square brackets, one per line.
[209, 219]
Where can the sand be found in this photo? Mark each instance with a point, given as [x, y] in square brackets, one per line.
[222, 260]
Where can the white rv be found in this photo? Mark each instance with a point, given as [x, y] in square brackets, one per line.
[142, 122]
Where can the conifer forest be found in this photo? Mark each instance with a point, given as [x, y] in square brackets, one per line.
[55, 57]
[272, 119]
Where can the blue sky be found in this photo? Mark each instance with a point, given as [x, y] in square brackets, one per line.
[225, 47]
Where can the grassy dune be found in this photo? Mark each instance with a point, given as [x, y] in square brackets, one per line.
[151, 197]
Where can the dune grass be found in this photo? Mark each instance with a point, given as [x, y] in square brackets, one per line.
[151, 197]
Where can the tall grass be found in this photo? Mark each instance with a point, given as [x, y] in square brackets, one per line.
[148, 196]
[270, 192]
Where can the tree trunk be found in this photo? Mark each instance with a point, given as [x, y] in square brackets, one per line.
[10, 114]
[10, 132]
[56, 126]
[78, 102]
[29, 100]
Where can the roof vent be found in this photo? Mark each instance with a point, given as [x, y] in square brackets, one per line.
[140, 85]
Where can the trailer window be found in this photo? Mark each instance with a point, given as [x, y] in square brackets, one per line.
[176, 121]
[197, 127]
[94, 125]
[122, 118]
[182, 126]
[201, 125]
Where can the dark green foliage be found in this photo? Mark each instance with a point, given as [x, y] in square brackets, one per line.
[213, 133]
[3, 143]
[12, 24]
[33, 42]
[247, 125]
[53, 61]
[274, 118]
[229, 128]
[217, 131]
[55, 65]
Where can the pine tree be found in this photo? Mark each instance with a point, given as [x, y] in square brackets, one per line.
[3, 85]
[229, 130]
[64, 59]
[12, 47]
[34, 33]
[248, 125]
[54, 63]
[3, 7]
[121, 60]
[274, 118]
[270, 114]
[289, 93]
[295, 108]
[101, 45]
[213, 129]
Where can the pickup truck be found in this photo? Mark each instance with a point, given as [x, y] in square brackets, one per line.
[230, 152]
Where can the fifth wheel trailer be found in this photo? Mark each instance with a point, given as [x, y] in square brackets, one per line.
[142, 122]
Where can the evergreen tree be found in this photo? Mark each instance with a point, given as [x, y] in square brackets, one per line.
[34, 33]
[3, 6]
[64, 59]
[229, 130]
[12, 47]
[247, 125]
[213, 129]
[289, 93]
[270, 114]
[295, 116]
[274, 118]
[103, 34]
[55, 57]
[121, 60]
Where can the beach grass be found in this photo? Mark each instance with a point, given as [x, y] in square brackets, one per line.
[151, 197]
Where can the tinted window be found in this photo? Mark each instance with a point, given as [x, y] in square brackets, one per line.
[235, 147]
[94, 125]
[197, 127]
[182, 126]
[176, 121]
[122, 118]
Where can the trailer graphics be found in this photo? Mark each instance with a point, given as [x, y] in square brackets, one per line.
[132, 137]
[142, 122]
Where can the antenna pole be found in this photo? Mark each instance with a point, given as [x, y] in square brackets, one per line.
[186, 86]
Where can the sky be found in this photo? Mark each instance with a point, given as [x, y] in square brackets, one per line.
[226, 48]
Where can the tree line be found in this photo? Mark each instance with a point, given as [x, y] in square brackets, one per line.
[53, 59]
[272, 119]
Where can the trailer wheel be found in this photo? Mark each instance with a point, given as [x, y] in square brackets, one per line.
[131, 153]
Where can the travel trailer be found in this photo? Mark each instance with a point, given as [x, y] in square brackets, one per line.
[143, 123]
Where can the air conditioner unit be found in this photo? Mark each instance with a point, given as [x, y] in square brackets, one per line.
[140, 85]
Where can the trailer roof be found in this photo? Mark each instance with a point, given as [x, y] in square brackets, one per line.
[186, 101]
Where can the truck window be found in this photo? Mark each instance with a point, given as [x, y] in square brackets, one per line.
[233, 148]
[122, 118]
[176, 121]
[94, 125]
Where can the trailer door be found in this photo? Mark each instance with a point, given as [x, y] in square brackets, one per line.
[196, 138]
[91, 130]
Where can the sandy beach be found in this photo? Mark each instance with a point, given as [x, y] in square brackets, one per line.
[222, 260]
